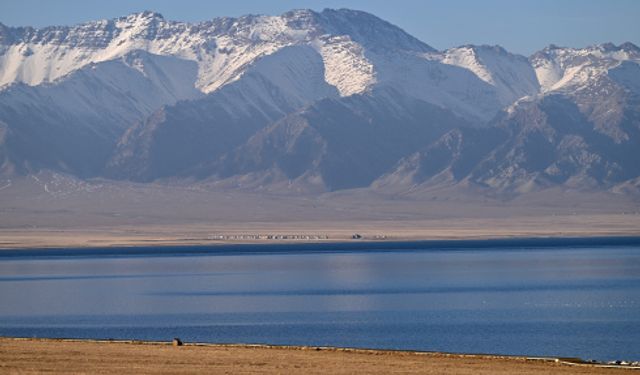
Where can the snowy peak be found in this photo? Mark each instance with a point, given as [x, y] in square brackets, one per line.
[629, 47]
[560, 68]
[332, 100]
[223, 48]
[124, 89]
[146, 15]
[511, 75]
[360, 52]
[370, 31]
[625, 51]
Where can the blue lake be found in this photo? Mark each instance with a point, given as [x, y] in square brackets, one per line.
[577, 299]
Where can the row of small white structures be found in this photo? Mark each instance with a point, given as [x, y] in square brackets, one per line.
[224, 237]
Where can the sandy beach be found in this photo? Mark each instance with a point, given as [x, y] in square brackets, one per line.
[29, 356]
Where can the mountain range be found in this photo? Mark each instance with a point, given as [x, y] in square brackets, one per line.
[314, 102]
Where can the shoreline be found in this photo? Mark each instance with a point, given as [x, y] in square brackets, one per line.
[36, 352]
[328, 246]
[216, 232]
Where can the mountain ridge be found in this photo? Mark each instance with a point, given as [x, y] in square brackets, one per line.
[322, 101]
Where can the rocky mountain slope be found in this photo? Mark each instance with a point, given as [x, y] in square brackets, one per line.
[313, 101]
[581, 131]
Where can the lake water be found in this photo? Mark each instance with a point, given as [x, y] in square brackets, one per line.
[532, 298]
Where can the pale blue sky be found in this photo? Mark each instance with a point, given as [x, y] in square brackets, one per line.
[521, 26]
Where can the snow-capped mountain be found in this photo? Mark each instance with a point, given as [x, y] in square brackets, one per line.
[511, 75]
[581, 130]
[73, 123]
[566, 69]
[222, 48]
[177, 139]
[312, 100]
[359, 52]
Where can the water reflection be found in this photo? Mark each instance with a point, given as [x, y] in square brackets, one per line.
[553, 301]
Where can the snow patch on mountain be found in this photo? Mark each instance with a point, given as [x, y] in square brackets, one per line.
[287, 79]
[360, 52]
[511, 75]
[559, 68]
[123, 89]
[223, 48]
[346, 66]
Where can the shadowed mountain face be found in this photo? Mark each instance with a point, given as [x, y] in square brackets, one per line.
[71, 125]
[177, 140]
[340, 143]
[542, 143]
[312, 101]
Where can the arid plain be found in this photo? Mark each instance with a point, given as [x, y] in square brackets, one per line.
[63, 212]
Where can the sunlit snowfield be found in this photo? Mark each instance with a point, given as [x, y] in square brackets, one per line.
[557, 301]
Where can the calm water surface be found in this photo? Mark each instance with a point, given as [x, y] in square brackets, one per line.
[555, 301]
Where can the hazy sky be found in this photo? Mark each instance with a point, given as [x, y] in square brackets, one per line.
[522, 26]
